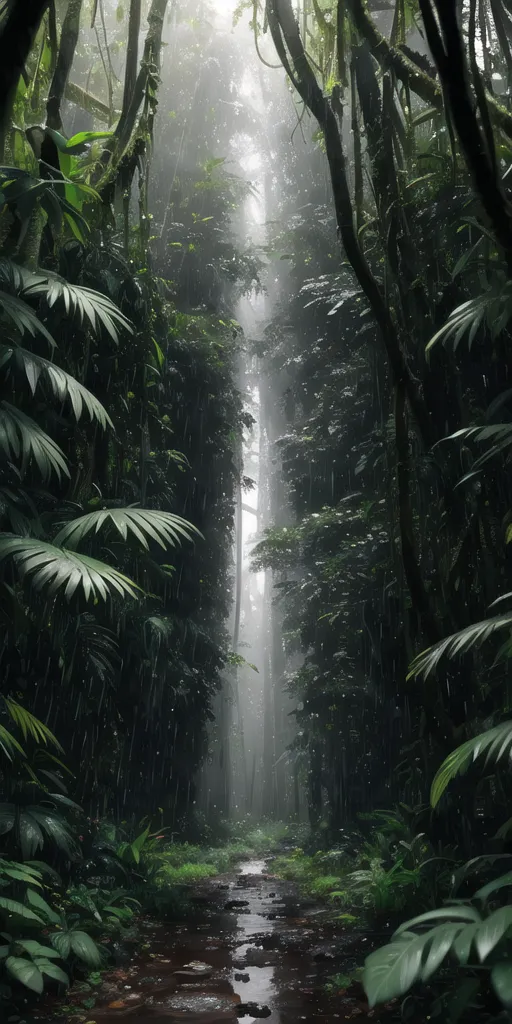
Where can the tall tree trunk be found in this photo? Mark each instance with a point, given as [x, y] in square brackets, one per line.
[16, 38]
[67, 47]
[132, 55]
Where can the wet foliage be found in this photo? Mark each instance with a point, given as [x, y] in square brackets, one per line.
[376, 279]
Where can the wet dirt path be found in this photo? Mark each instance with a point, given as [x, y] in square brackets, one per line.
[264, 953]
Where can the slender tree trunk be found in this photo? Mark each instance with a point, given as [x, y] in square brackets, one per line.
[132, 56]
[67, 47]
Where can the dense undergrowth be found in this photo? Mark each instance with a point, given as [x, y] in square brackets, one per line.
[64, 922]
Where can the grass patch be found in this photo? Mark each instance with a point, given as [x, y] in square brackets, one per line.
[173, 869]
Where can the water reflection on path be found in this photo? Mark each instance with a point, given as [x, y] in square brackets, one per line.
[261, 944]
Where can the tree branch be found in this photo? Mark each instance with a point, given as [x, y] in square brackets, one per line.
[286, 37]
[427, 88]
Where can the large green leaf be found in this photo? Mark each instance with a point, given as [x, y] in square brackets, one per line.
[454, 913]
[36, 949]
[62, 943]
[464, 942]
[52, 971]
[504, 881]
[21, 437]
[492, 930]
[163, 527]
[25, 972]
[63, 385]
[390, 971]
[55, 570]
[83, 303]
[52, 826]
[13, 907]
[496, 744]
[441, 942]
[501, 978]
[37, 901]
[85, 948]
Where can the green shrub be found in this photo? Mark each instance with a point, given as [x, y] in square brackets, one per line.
[463, 949]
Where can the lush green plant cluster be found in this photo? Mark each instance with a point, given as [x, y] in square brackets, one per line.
[119, 422]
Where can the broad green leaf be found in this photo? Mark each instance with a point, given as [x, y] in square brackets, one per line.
[20, 876]
[25, 972]
[464, 941]
[390, 971]
[13, 907]
[498, 883]
[455, 913]
[81, 139]
[37, 901]
[62, 943]
[501, 978]
[85, 948]
[36, 949]
[441, 941]
[52, 970]
[492, 930]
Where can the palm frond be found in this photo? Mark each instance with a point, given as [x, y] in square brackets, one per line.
[500, 434]
[98, 645]
[53, 570]
[16, 313]
[9, 744]
[64, 386]
[491, 310]
[495, 743]
[84, 303]
[30, 726]
[165, 528]
[458, 644]
[21, 437]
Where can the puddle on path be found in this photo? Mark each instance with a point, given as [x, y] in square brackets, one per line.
[262, 945]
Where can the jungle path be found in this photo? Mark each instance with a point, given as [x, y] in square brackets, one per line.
[253, 949]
